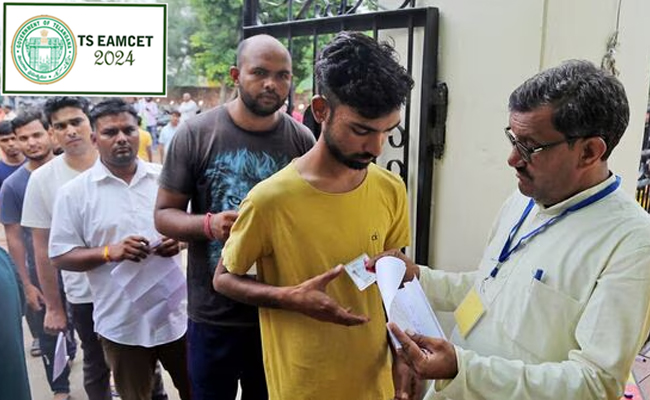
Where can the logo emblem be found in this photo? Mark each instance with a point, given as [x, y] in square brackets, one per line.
[44, 49]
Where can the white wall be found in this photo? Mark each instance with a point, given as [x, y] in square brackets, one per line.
[487, 48]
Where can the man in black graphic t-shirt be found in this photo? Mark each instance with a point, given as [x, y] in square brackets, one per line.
[215, 158]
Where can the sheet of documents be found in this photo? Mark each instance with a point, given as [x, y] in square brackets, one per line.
[60, 356]
[408, 306]
[156, 285]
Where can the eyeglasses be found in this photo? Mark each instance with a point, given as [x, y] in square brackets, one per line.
[527, 152]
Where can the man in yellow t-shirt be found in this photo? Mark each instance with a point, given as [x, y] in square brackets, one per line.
[322, 337]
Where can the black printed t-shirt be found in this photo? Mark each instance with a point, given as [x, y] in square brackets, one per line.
[216, 163]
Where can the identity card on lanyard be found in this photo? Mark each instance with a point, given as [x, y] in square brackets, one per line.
[471, 309]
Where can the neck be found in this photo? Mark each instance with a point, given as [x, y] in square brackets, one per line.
[125, 173]
[34, 164]
[15, 160]
[588, 180]
[325, 173]
[81, 162]
[246, 120]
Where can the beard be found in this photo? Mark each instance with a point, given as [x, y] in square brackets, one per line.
[123, 158]
[255, 106]
[352, 160]
[39, 156]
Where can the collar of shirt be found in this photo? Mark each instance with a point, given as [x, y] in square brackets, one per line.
[558, 208]
[99, 172]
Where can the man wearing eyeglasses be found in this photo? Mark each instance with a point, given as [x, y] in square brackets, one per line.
[559, 305]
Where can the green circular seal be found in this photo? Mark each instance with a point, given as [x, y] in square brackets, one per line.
[44, 49]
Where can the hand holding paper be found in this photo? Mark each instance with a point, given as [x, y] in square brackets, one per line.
[407, 307]
[430, 358]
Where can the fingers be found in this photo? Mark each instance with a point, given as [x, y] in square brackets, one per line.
[370, 263]
[222, 224]
[345, 317]
[168, 248]
[54, 323]
[325, 278]
[411, 351]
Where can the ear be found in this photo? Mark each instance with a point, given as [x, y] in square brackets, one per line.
[320, 108]
[93, 137]
[593, 149]
[234, 74]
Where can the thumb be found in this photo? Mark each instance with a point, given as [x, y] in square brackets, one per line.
[422, 341]
[325, 278]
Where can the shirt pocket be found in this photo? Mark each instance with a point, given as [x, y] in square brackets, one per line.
[543, 322]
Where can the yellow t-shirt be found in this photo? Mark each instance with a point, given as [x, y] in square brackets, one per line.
[145, 141]
[295, 232]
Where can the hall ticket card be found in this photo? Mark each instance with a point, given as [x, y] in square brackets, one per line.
[356, 270]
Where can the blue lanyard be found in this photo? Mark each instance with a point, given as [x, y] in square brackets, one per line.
[506, 251]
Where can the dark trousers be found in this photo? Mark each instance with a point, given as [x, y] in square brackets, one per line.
[96, 372]
[220, 357]
[134, 367]
[48, 344]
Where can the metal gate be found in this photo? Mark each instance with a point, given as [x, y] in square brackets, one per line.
[409, 152]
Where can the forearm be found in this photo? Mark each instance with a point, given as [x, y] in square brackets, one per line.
[249, 291]
[487, 378]
[81, 259]
[17, 251]
[179, 224]
[445, 290]
[48, 276]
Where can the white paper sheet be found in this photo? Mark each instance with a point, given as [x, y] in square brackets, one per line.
[156, 285]
[408, 306]
[60, 356]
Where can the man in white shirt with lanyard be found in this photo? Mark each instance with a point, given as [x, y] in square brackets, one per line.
[559, 305]
[103, 218]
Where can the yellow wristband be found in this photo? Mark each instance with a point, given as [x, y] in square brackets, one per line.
[107, 257]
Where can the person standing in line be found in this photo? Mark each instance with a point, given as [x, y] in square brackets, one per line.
[92, 233]
[213, 161]
[31, 130]
[323, 336]
[12, 158]
[68, 118]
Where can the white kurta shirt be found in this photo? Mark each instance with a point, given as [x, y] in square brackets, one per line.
[574, 333]
[97, 209]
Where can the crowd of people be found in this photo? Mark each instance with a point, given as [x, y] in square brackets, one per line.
[270, 215]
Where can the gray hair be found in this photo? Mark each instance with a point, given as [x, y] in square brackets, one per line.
[586, 101]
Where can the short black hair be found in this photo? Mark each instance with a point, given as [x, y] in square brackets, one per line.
[27, 115]
[175, 112]
[111, 107]
[5, 128]
[54, 104]
[587, 101]
[359, 72]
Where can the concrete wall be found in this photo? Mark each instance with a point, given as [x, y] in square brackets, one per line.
[487, 48]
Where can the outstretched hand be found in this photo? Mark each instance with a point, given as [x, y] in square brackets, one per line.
[430, 358]
[311, 299]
